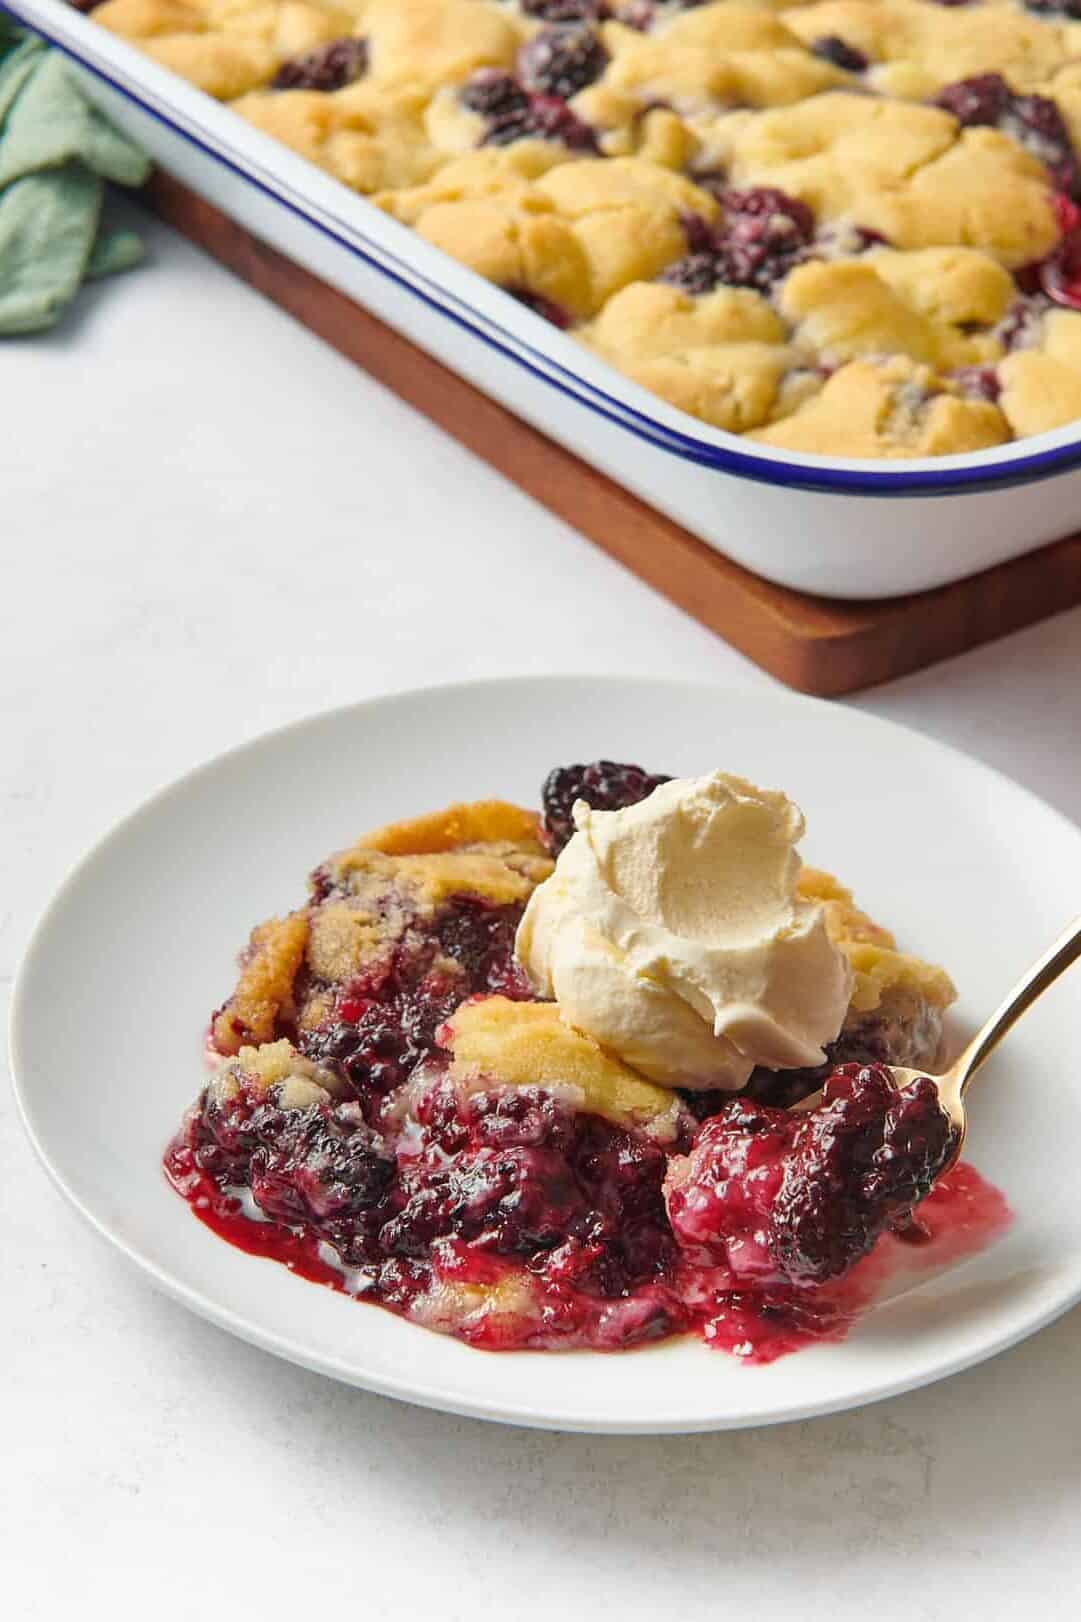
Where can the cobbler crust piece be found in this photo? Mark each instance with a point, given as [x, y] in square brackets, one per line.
[368, 902]
[891, 408]
[263, 996]
[573, 233]
[845, 228]
[528, 1045]
[465, 824]
[1041, 386]
[898, 1001]
[393, 1113]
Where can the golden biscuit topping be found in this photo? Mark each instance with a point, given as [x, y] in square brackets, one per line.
[526, 1044]
[1041, 384]
[914, 47]
[264, 991]
[879, 967]
[891, 409]
[471, 823]
[910, 173]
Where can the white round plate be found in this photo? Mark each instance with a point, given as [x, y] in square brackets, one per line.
[138, 947]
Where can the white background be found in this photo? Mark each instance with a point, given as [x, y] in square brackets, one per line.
[211, 524]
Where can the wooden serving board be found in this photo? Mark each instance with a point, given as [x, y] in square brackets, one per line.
[816, 644]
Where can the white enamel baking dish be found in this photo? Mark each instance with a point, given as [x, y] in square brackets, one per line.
[831, 525]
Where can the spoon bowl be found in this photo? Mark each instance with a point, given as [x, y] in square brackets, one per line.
[953, 1083]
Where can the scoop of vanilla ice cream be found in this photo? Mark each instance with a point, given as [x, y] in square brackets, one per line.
[671, 932]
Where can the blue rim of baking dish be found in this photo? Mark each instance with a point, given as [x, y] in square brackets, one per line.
[790, 475]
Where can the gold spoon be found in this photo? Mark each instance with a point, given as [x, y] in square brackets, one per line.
[952, 1083]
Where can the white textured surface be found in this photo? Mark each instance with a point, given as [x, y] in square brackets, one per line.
[213, 525]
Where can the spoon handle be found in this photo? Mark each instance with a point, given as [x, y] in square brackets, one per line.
[1057, 958]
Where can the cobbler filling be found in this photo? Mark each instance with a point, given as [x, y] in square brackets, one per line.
[564, 11]
[638, 14]
[605, 785]
[1056, 278]
[329, 67]
[1033, 121]
[832, 48]
[512, 112]
[764, 234]
[561, 60]
[513, 1217]
[1022, 325]
[641, 14]
[1054, 8]
[977, 383]
[781, 1197]
[545, 307]
[384, 1022]
[466, 1192]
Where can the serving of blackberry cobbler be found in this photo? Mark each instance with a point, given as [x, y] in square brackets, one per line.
[527, 1078]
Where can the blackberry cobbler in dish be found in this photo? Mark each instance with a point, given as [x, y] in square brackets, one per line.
[526, 1078]
[846, 227]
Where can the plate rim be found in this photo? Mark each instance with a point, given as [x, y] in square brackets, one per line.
[422, 1393]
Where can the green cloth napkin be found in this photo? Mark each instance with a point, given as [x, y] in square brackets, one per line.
[56, 153]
